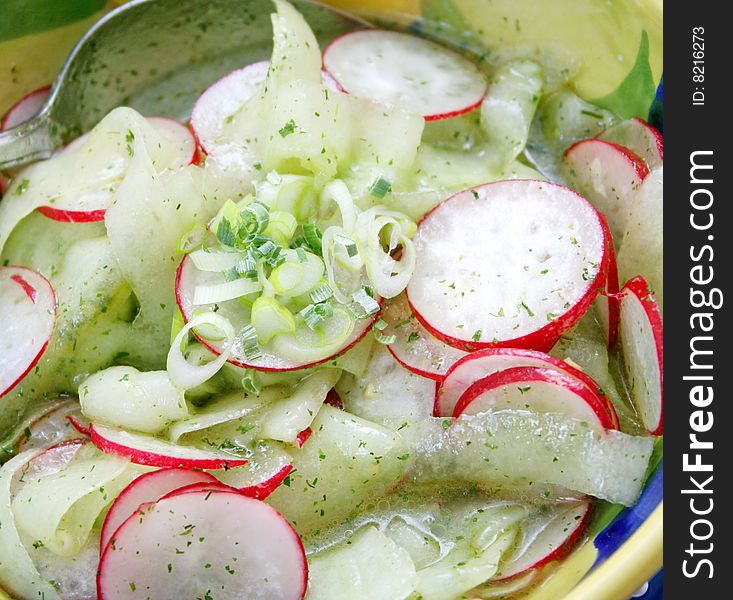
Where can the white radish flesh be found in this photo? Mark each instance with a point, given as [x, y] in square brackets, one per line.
[639, 137]
[239, 548]
[405, 70]
[608, 175]
[148, 487]
[511, 263]
[641, 340]
[535, 389]
[155, 452]
[27, 107]
[28, 306]
[218, 106]
[47, 428]
[415, 348]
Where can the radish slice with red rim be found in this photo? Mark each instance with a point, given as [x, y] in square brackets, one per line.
[28, 106]
[216, 486]
[415, 348]
[507, 264]
[50, 461]
[144, 449]
[148, 487]
[543, 541]
[606, 304]
[28, 307]
[405, 70]
[91, 208]
[220, 102]
[481, 364]
[303, 437]
[268, 467]
[189, 277]
[608, 175]
[184, 545]
[79, 423]
[639, 137]
[536, 389]
[642, 346]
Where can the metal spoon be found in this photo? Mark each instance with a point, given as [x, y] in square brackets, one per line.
[156, 56]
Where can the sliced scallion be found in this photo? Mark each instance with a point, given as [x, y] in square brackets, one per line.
[250, 345]
[380, 188]
[320, 293]
[313, 237]
[368, 305]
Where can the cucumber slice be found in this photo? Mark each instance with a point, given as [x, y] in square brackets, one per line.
[402, 69]
[386, 389]
[345, 453]
[369, 566]
[641, 248]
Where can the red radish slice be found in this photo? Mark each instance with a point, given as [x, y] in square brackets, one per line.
[149, 487]
[178, 135]
[188, 277]
[222, 100]
[537, 389]
[28, 106]
[303, 437]
[28, 309]
[79, 423]
[481, 364]
[261, 475]
[507, 264]
[606, 304]
[639, 137]
[147, 450]
[607, 175]
[551, 541]
[215, 543]
[200, 486]
[333, 399]
[405, 70]
[415, 348]
[642, 349]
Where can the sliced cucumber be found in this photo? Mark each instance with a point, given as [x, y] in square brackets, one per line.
[369, 566]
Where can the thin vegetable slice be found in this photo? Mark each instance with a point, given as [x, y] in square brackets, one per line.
[642, 347]
[266, 470]
[405, 70]
[215, 110]
[414, 347]
[286, 352]
[27, 107]
[483, 363]
[639, 137]
[507, 264]
[155, 452]
[28, 306]
[543, 540]
[369, 566]
[535, 389]
[608, 175]
[45, 427]
[18, 574]
[250, 553]
[148, 487]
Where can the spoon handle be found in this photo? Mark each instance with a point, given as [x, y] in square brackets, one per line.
[29, 141]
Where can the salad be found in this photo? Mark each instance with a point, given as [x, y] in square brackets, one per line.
[379, 323]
